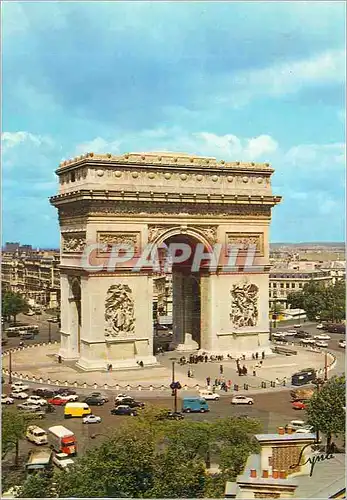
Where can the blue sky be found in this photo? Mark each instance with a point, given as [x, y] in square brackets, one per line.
[261, 81]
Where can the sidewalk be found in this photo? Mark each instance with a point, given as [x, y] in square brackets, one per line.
[39, 364]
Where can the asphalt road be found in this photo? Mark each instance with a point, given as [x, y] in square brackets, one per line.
[312, 330]
[271, 409]
[47, 331]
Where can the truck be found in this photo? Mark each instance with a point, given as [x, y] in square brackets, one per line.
[39, 461]
[196, 404]
[62, 440]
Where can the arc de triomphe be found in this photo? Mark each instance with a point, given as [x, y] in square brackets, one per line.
[141, 198]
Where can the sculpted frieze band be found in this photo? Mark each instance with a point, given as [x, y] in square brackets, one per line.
[245, 240]
[119, 312]
[74, 242]
[111, 238]
[244, 304]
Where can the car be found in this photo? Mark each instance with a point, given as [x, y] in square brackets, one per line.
[209, 395]
[120, 397]
[302, 335]
[19, 386]
[305, 430]
[278, 335]
[321, 343]
[65, 391]
[131, 402]
[61, 400]
[19, 395]
[28, 406]
[43, 392]
[342, 343]
[99, 395]
[299, 405]
[292, 332]
[307, 341]
[242, 400]
[6, 400]
[37, 400]
[123, 410]
[320, 326]
[297, 326]
[52, 320]
[94, 401]
[322, 336]
[62, 460]
[171, 415]
[91, 419]
[296, 424]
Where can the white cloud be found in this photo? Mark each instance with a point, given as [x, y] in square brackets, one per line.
[12, 139]
[98, 145]
[318, 156]
[288, 78]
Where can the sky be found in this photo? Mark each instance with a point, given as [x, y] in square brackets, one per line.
[240, 81]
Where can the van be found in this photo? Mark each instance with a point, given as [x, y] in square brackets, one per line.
[194, 405]
[36, 435]
[76, 410]
[304, 377]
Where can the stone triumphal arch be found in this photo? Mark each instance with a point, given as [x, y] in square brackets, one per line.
[159, 198]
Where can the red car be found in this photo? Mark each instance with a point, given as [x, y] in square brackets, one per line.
[299, 405]
[61, 400]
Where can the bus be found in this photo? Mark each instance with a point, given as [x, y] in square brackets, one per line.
[304, 376]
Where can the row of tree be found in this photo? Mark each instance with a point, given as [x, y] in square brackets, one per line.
[13, 304]
[326, 302]
[151, 458]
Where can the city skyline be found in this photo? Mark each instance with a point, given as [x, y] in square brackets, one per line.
[203, 78]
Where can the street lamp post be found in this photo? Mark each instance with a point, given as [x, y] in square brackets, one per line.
[173, 384]
[10, 367]
[49, 332]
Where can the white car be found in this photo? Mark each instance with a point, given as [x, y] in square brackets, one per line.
[304, 430]
[37, 400]
[28, 406]
[19, 395]
[297, 326]
[242, 400]
[19, 386]
[278, 335]
[62, 460]
[291, 332]
[209, 395]
[342, 343]
[322, 336]
[322, 343]
[6, 400]
[307, 341]
[319, 327]
[120, 397]
[91, 419]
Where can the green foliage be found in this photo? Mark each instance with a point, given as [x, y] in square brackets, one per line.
[36, 486]
[326, 408]
[147, 458]
[13, 427]
[13, 304]
[327, 302]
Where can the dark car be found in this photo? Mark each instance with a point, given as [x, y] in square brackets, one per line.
[98, 395]
[65, 391]
[302, 335]
[45, 393]
[123, 410]
[94, 401]
[131, 402]
[171, 415]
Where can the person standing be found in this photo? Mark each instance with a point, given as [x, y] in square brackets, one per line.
[208, 380]
[221, 369]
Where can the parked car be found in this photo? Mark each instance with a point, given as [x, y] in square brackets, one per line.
[320, 326]
[299, 405]
[322, 336]
[6, 400]
[209, 395]
[242, 400]
[28, 406]
[19, 395]
[19, 386]
[171, 415]
[99, 395]
[62, 460]
[295, 424]
[37, 400]
[132, 403]
[94, 401]
[302, 335]
[307, 341]
[321, 343]
[278, 335]
[123, 410]
[36, 435]
[292, 332]
[120, 397]
[297, 326]
[62, 400]
[65, 391]
[342, 343]
[43, 392]
[305, 430]
[91, 419]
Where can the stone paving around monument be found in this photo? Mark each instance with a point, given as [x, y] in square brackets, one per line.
[41, 362]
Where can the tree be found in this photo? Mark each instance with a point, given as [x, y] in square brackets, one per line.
[13, 427]
[151, 458]
[36, 486]
[13, 304]
[327, 302]
[325, 410]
